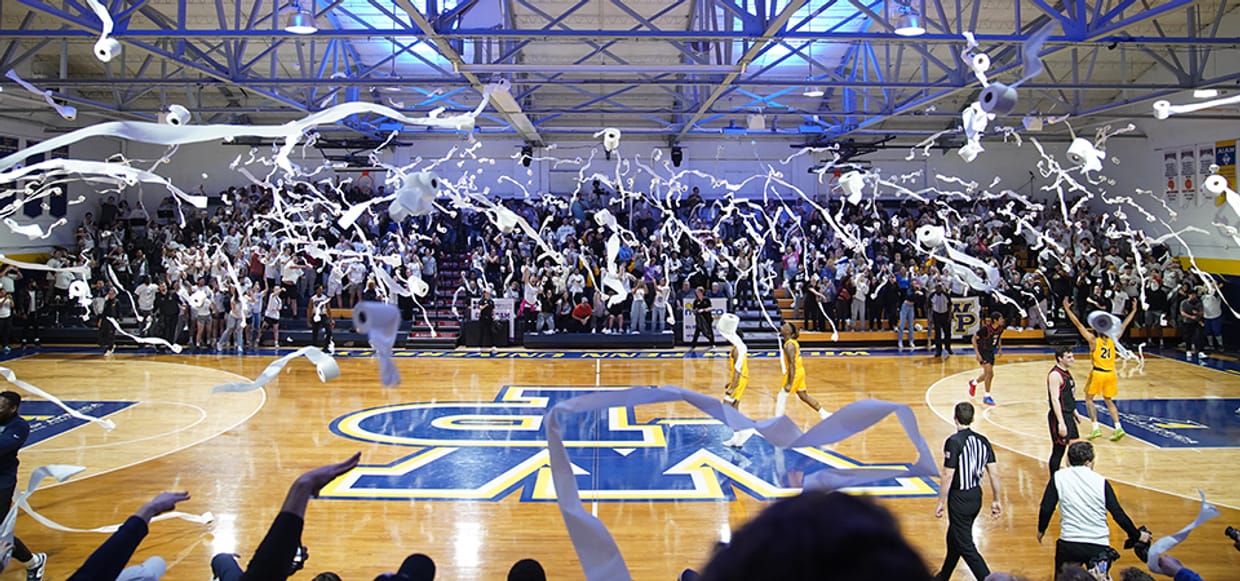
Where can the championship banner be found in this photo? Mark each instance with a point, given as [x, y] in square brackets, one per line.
[1205, 158]
[1225, 158]
[718, 307]
[1188, 172]
[966, 316]
[504, 309]
[1171, 172]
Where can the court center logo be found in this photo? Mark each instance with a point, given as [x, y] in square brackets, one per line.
[487, 451]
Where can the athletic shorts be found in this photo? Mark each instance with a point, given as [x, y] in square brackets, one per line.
[271, 321]
[1069, 418]
[988, 357]
[741, 384]
[798, 384]
[1103, 383]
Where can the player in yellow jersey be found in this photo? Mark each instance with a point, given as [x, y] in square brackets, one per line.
[738, 367]
[1102, 379]
[794, 378]
[738, 372]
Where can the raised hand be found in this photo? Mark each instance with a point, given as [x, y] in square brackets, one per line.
[317, 478]
[164, 502]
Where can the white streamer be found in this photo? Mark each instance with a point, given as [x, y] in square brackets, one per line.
[12, 378]
[324, 364]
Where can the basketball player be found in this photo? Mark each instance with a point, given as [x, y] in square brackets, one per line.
[738, 368]
[794, 380]
[738, 373]
[1061, 393]
[1102, 379]
[987, 345]
[738, 380]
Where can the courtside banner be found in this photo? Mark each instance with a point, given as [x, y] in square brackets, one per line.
[966, 315]
[504, 308]
[718, 307]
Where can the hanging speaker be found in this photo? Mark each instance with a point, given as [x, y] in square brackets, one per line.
[678, 155]
[527, 155]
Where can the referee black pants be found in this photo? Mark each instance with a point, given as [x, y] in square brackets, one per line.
[942, 332]
[20, 552]
[962, 509]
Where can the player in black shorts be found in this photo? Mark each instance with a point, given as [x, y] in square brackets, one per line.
[986, 346]
[1061, 419]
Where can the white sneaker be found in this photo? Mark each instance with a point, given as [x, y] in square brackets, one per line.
[1201, 355]
[823, 413]
[34, 569]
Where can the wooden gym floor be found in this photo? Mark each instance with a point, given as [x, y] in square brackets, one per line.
[445, 478]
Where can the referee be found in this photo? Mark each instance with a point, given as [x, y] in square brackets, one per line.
[966, 456]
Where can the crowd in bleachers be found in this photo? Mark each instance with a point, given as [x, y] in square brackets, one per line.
[225, 277]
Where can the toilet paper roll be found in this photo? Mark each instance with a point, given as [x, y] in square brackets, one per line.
[107, 48]
[611, 139]
[980, 63]
[1083, 153]
[416, 197]
[998, 99]
[1215, 184]
[177, 116]
[930, 235]
[852, 184]
[969, 151]
[381, 323]
[79, 289]
[727, 325]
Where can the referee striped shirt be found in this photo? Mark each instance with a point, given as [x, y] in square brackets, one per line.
[968, 453]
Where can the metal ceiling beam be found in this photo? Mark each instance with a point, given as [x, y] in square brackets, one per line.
[503, 102]
[824, 82]
[90, 25]
[641, 35]
[772, 28]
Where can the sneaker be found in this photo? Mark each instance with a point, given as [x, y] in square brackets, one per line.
[972, 387]
[34, 570]
[990, 401]
[1095, 434]
[1202, 355]
[1119, 434]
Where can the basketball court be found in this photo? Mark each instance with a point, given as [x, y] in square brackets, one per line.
[455, 466]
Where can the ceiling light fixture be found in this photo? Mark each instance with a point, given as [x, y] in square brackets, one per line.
[909, 25]
[904, 19]
[301, 22]
[1205, 93]
[813, 92]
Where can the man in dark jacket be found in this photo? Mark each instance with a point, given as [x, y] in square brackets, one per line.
[13, 433]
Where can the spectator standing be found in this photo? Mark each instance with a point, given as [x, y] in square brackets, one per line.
[6, 319]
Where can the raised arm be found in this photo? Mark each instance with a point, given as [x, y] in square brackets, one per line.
[110, 558]
[1132, 312]
[1085, 332]
[271, 559]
